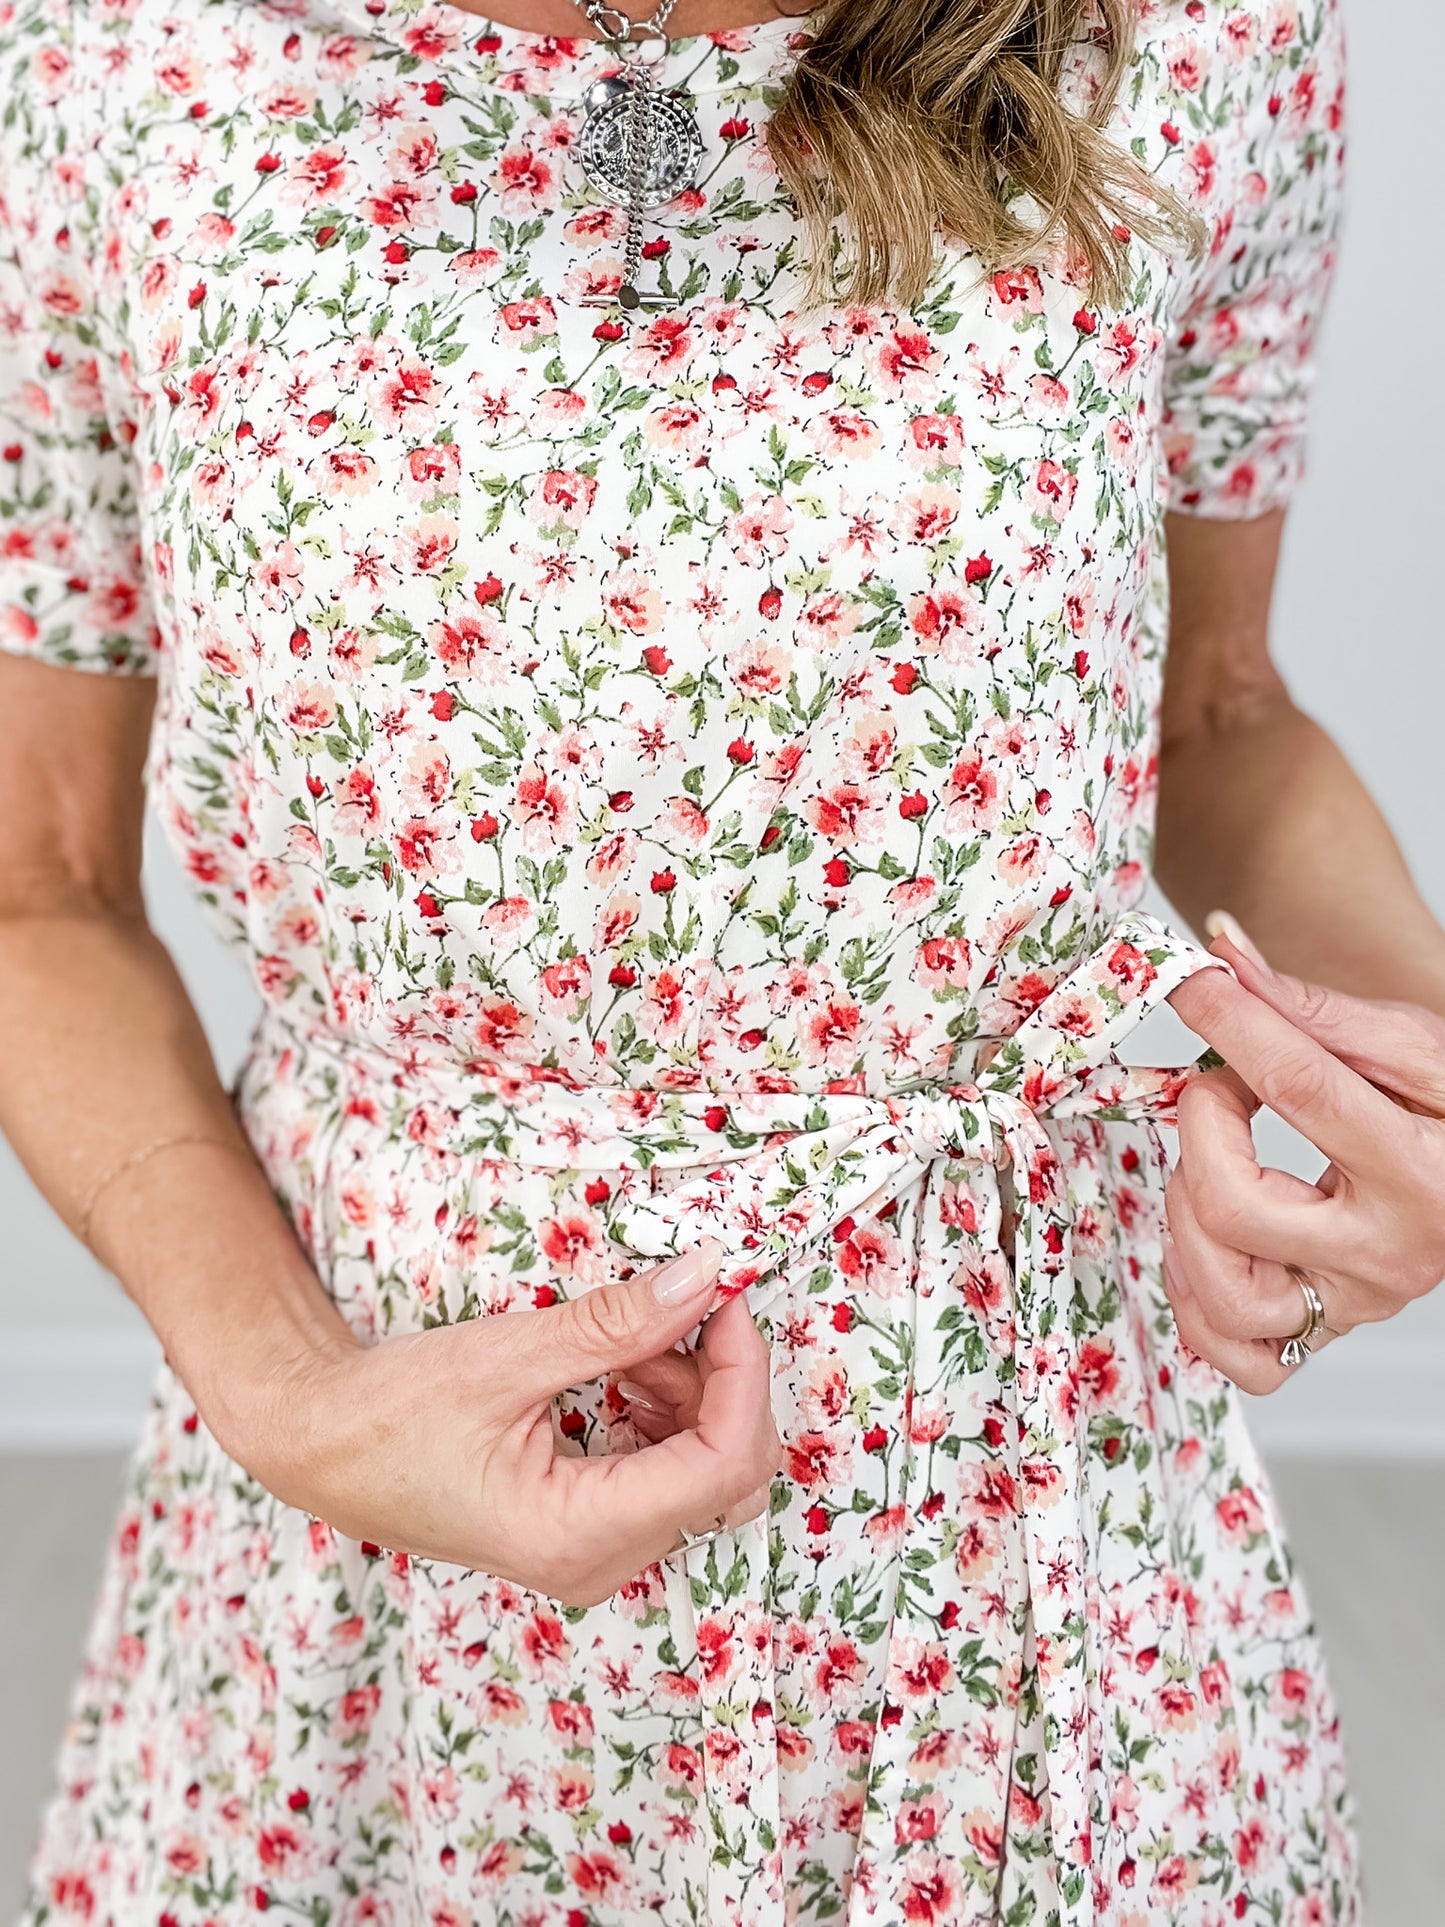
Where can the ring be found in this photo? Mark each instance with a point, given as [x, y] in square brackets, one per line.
[688, 1541]
[1297, 1349]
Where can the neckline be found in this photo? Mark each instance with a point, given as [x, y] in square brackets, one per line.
[556, 67]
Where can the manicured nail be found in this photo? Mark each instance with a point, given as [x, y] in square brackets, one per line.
[635, 1395]
[1219, 923]
[689, 1276]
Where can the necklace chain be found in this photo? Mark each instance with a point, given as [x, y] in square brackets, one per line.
[641, 128]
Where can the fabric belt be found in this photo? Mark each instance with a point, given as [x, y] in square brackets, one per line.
[790, 1173]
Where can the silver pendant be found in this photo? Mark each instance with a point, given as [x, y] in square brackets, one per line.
[673, 144]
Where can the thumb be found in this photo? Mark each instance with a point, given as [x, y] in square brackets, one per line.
[619, 1325]
[1400, 1048]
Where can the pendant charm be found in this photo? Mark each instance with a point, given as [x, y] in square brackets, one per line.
[672, 142]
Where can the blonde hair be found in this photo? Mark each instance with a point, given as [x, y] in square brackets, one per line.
[905, 122]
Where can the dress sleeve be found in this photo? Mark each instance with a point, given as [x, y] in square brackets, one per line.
[72, 586]
[1261, 158]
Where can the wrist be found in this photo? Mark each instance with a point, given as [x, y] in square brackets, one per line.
[292, 1421]
[198, 1240]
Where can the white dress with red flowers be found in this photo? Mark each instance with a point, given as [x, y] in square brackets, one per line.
[684, 777]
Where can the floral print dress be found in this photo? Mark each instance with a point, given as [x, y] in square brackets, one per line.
[683, 777]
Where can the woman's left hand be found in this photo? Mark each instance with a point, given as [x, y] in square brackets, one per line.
[1365, 1083]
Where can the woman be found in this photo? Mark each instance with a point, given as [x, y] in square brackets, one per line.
[677, 746]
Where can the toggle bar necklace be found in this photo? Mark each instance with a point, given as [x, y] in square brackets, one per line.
[640, 144]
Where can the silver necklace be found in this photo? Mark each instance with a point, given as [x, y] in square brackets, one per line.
[640, 143]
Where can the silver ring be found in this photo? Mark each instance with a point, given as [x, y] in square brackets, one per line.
[1297, 1349]
[689, 1541]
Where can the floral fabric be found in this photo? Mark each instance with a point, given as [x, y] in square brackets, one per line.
[688, 777]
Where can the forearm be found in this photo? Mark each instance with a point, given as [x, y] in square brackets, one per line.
[101, 1058]
[1260, 814]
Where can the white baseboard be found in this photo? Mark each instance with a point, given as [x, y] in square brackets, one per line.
[1371, 1396]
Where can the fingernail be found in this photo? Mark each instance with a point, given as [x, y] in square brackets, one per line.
[1219, 923]
[687, 1277]
[635, 1395]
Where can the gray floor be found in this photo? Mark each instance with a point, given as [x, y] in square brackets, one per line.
[1368, 1537]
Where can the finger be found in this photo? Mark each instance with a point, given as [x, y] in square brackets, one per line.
[1241, 1296]
[1253, 1364]
[1399, 1047]
[616, 1326]
[1241, 1204]
[1335, 1108]
[673, 1379]
[621, 1514]
[654, 1426]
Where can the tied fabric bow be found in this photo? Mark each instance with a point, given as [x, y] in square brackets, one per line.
[792, 1174]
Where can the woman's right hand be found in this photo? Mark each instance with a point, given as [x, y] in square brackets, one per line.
[441, 1443]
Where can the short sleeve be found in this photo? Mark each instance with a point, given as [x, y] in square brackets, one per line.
[72, 584]
[1260, 134]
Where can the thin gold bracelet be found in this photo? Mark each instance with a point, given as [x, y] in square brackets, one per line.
[131, 1162]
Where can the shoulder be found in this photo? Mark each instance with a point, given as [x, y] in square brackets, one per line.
[1238, 107]
[1231, 61]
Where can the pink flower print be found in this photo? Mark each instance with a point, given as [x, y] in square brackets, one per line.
[600, 1877]
[289, 102]
[562, 498]
[526, 322]
[427, 781]
[544, 810]
[847, 814]
[509, 916]
[844, 433]
[759, 530]
[678, 428]
[943, 962]
[868, 748]
[467, 644]
[405, 397]
[633, 603]
[829, 1037]
[935, 441]
[973, 798]
[343, 473]
[431, 35]
[566, 987]
[434, 469]
[614, 857]
[826, 621]
[977, 1549]
[1281, 25]
[63, 295]
[426, 547]
[759, 668]
[946, 620]
[524, 181]
[1187, 60]
[1050, 491]
[576, 1243]
[662, 1007]
[1018, 291]
[1118, 354]
[427, 846]
[308, 707]
[180, 71]
[1200, 172]
[51, 69]
[212, 484]
[907, 364]
[1240, 1515]
[1128, 971]
[317, 177]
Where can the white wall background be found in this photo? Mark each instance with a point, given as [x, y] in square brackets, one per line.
[1357, 633]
